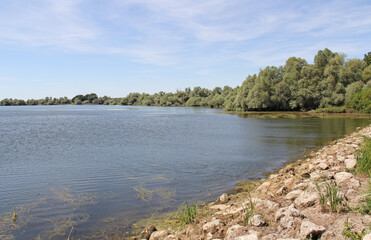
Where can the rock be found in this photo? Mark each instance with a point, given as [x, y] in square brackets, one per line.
[235, 231]
[266, 204]
[367, 237]
[158, 235]
[219, 207]
[146, 233]
[306, 199]
[323, 166]
[251, 236]
[209, 236]
[350, 163]
[288, 239]
[171, 237]
[281, 191]
[315, 175]
[264, 186]
[309, 229]
[223, 198]
[342, 177]
[257, 221]
[354, 183]
[293, 194]
[212, 227]
[289, 211]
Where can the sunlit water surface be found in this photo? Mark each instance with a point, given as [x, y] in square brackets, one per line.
[101, 168]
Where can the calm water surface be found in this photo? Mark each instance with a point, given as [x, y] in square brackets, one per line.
[100, 168]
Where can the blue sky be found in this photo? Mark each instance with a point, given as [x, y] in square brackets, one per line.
[113, 47]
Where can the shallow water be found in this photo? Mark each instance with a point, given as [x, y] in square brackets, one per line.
[104, 167]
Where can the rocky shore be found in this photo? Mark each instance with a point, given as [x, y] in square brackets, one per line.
[315, 198]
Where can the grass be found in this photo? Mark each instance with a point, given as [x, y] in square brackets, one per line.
[329, 196]
[352, 235]
[187, 214]
[364, 158]
[249, 209]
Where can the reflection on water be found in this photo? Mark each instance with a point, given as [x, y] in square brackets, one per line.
[101, 168]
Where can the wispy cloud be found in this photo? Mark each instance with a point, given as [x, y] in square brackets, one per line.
[168, 32]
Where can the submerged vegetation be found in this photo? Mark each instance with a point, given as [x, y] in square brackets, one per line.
[331, 83]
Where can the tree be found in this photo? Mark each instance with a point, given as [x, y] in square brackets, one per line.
[367, 58]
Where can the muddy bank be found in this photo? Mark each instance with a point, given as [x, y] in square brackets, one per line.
[319, 197]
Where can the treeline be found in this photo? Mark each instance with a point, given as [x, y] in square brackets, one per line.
[330, 81]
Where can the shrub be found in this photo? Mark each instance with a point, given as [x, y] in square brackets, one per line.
[361, 101]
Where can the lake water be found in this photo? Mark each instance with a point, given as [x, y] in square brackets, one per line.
[101, 168]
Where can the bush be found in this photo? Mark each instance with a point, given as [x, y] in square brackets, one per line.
[361, 101]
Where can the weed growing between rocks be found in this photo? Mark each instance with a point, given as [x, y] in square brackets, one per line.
[364, 158]
[352, 235]
[249, 209]
[329, 196]
[187, 214]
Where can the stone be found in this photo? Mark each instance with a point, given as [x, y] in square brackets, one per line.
[171, 237]
[293, 194]
[342, 177]
[158, 235]
[266, 204]
[258, 221]
[209, 236]
[223, 198]
[323, 166]
[251, 236]
[306, 199]
[311, 230]
[219, 207]
[146, 233]
[235, 231]
[367, 237]
[264, 186]
[212, 227]
[354, 183]
[315, 175]
[281, 191]
[350, 163]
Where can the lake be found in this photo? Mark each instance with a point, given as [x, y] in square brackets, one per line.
[101, 168]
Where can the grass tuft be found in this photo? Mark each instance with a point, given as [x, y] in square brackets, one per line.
[364, 158]
[329, 196]
[352, 235]
[249, 209]
[187, 214]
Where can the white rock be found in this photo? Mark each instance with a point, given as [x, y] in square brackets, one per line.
[251, 236]
[306, 199]
[264, 186]
[350, 163]
[212, 227]
[354, 183]
[158, 235]
[219, 207]
[235, 231]
[223, 198]
[293, 194]
[315, 175]
[257, 221]
[323, 166]
[367, 237]
[309, 229]
[342, 177]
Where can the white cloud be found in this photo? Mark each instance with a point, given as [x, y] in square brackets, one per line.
[166, 32]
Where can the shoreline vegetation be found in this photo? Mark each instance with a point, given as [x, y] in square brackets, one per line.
[325, 195]
[331, 84]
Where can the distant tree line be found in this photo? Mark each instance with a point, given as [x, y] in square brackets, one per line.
[330, 81]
